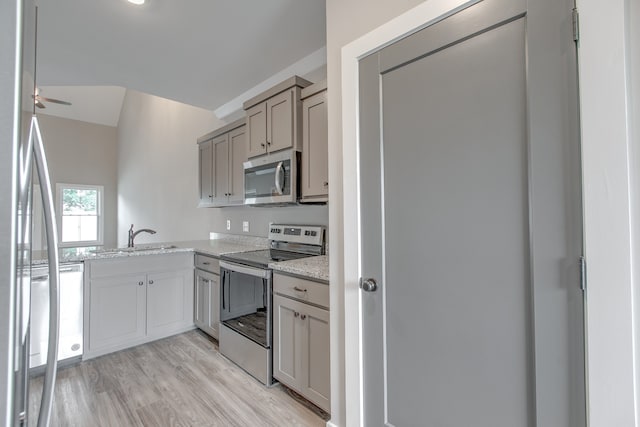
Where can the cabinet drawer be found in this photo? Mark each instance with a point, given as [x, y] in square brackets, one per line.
[300, 289]
[208, 263]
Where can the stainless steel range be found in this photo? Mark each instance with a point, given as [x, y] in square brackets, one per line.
[246, 295]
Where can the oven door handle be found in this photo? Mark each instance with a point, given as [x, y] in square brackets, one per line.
[224, 276]
[245, 269]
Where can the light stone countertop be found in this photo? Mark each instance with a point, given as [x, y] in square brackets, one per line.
[208, 247]
[314, 268]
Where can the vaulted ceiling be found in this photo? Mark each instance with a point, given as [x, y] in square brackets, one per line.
[199, 52]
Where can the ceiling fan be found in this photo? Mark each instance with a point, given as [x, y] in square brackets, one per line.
[39, 99]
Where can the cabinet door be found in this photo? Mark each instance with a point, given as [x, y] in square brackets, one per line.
[221, 173]
[257, 130]
[116, 311]
[169, 302]
[214, 306]
[315, 156]
[205, 167]
[237, 156]
[202, 298]
[280, 116]
[315, 382]
[287, 341]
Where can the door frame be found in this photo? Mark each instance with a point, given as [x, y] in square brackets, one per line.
[402, 26]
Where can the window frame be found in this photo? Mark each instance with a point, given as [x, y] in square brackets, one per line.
[60, 187]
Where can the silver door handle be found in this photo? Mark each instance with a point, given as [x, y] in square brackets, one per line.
[368, 285]
[278, 172]
[54, 276]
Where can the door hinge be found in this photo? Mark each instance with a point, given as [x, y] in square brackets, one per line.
[575, 21]
[583, 274]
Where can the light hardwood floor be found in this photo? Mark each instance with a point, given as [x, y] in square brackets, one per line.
[177, 381]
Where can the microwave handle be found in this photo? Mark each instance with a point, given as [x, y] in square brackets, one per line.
[278, 173]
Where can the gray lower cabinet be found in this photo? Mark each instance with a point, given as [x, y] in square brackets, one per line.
[207, 295]
[314, 169]
[221, 176]
[132, 300]
[301, 338]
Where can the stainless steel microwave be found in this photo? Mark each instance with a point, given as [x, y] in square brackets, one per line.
[272, 179]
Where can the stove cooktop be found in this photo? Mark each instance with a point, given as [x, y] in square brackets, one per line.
[262, 258]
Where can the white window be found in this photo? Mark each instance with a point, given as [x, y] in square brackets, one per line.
[80, 214]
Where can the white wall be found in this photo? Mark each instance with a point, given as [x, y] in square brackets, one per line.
[346, 21]
[158, 168]
[83, 153]
[609, 80]
[260, 217]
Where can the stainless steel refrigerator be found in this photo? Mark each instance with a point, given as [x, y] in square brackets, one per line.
[21, 157]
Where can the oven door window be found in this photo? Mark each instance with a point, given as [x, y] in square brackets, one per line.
[244, 305]
[273, 179]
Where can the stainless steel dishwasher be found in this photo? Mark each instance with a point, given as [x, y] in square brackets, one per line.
[70, 347]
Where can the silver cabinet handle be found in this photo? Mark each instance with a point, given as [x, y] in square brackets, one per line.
[140, 283]
[326, 184]
[151, 282]
[278, 173]
[54, 275]
[296, 314]
[303, 316]
[295, 288]
[262, 144]
[206, 263]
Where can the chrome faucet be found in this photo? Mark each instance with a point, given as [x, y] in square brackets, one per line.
[132, 234]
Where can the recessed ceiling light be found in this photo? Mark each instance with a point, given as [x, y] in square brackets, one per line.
[138, 2]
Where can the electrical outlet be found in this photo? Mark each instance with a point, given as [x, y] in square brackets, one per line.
[228, 224]
[245, 226]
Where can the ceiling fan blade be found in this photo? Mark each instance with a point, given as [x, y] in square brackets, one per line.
[55, 101]
[39, 104]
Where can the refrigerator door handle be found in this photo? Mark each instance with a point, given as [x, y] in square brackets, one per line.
[54, 275]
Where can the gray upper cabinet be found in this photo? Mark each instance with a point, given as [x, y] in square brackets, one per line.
[205, 166]
[274, 118]
[221, 169]
[315, 144]
[257, 130]
[221, 154]
[237, 156]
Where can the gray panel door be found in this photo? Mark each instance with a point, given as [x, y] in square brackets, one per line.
[471, 222]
